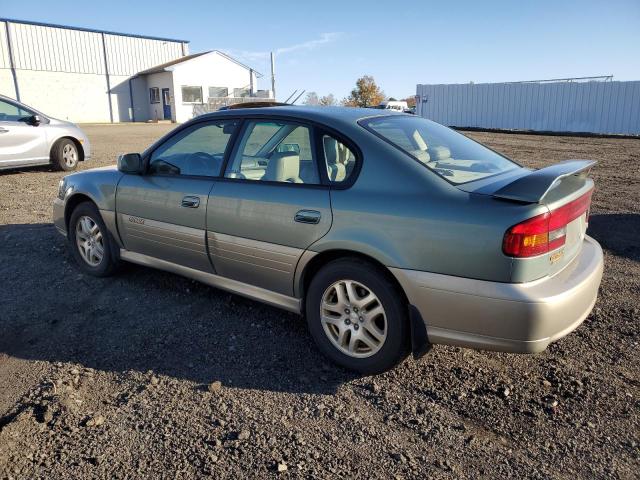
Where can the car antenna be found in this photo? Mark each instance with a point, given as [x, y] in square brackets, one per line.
[298, 97]
[289, 97]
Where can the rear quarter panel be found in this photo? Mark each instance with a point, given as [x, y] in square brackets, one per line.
[403, 215]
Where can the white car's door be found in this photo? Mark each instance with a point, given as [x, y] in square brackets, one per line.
[20, 142]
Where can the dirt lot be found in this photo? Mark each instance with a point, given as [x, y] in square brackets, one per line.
[110, 377]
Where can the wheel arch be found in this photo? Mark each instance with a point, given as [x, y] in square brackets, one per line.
[315, 263]
[72, 202]
[419, 341]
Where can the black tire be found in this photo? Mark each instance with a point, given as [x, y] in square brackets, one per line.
[65, 155]
[395, 347]
[110, 258]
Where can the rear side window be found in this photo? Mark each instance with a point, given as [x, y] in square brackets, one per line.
[450, 154]
[198, 150]
[339, 159]
[275, 152]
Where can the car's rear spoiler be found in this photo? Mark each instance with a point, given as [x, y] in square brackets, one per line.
[533, 187]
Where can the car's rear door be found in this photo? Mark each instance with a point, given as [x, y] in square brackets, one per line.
[20, 142]
[162, 213]
[270, 205]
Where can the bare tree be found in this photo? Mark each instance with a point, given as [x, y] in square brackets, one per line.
[328, 100]
[311, 99]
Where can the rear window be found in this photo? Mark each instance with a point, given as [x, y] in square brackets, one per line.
[450, 154]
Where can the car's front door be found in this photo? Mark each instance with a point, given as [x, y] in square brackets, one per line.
[162, 213]
[20, 142]
[269, 207]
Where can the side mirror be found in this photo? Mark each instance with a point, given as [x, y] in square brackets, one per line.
[34, 120]
[130, 163]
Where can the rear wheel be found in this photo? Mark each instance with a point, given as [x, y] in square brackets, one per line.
[64, 155]
[90, 242]
[357, 316]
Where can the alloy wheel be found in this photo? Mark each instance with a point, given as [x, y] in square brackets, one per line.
[90, 241]
[353, 318]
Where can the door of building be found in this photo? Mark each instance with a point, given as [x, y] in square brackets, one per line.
[166, 104]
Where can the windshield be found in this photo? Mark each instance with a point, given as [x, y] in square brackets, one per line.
[450, 154]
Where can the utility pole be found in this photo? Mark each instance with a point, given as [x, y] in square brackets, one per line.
[273, 77]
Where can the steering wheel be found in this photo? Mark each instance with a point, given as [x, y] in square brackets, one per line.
[203, 163]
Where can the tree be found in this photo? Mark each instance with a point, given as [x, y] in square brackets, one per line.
[328, 100]
[392, 99]
[366, 94]
[311, 99]
[411, 101]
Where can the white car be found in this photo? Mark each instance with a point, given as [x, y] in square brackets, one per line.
[28, 137]
[397, 105]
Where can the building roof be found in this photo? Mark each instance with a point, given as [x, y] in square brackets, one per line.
[81, 29]
[163, 66]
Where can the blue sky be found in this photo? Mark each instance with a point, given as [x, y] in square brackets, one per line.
[325, 46]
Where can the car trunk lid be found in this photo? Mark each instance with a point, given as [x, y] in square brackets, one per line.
[544, 244]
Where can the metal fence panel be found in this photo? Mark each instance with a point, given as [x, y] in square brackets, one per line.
[594, 107]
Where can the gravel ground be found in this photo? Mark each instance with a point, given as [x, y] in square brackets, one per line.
[147, 374]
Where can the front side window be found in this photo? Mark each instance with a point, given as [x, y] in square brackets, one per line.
[339, 159]
[276, 152]
[13, 113]
[450, 154]
[198, 150]
[154, 95]
[191, 94]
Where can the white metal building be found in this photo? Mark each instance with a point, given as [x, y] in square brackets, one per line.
[564, 105]
[86, 75]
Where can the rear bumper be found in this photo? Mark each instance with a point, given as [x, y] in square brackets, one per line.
[510, 317]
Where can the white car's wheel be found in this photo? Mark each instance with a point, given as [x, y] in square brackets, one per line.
[65, 155]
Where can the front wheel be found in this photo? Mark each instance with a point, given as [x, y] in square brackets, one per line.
[64, 155]
[90, 242]
[357, 316]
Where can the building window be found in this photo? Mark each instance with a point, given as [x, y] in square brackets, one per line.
[154, 95]
[191, 94]
[216, 92]
[241, 92]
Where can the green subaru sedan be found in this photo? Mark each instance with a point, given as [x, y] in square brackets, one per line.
[389, 232]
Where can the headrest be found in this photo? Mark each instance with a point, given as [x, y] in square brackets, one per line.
[439, 153]
[331, 150]
[421, 155]
[283, 167]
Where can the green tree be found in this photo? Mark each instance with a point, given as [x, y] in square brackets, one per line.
[328, 100]
[366, 93]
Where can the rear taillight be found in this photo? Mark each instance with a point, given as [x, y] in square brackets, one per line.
[546, 232]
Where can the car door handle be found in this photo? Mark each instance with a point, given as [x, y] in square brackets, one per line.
[307, 216]
[191, 202]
